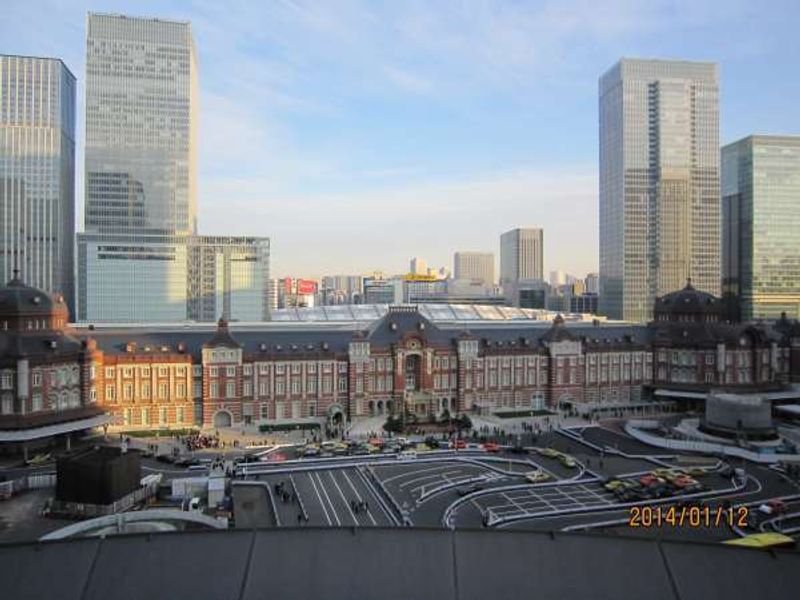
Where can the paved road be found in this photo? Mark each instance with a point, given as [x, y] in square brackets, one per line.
[326, 496]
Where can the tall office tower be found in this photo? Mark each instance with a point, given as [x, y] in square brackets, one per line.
[659, 183]
[592, 283]
[418, 266]
[476, 266]
[228, 276]
[761, 225]
[141, 122]
[140, 171]
[37, 173]
[558, 278]
[521, 255]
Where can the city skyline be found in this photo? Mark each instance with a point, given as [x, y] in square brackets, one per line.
[322, 155]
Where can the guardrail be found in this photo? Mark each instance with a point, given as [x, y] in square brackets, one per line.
[84, 510]
[36, 481]
[634, 428]
[299, 498]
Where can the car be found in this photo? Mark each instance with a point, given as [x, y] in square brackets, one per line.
[376, 441]
[165, 458]
[311, 451]
[407, 455]
[614, 484]
[469, 489]
[537, 476]
[695, 471]
[620, 485]
[433, 443]
[651, 479]
[693, 488]
[491, 447]
[549, 452]
[567, 461]
[39, 459]
[187, 461]
[459, 444]
[518, 449]
[773, 507]
[329, 445]
[682, 481]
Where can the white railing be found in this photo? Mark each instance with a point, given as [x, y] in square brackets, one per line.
[632, 428]
[37, 481]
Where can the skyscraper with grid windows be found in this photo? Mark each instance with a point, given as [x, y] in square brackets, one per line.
[37, 173]
[659, 183]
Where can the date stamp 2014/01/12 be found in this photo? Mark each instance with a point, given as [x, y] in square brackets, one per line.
[688, 516]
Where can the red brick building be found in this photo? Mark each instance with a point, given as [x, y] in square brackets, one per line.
[167, 377]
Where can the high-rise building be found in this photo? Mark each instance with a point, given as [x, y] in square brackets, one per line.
[228, 276]
[37, 173]
[761, 225]
[558, 278]
[141, 123]
[659, 183]
[474, 266]
[272, 294]
[521, 255]
[418, 266]
[592, 283]
[139, 258]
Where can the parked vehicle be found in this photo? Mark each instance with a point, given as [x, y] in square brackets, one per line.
[459, 444]
[773, 507]
[567, 461]
[491, 447]
[549, 452]
[537, 476]
[407, 455]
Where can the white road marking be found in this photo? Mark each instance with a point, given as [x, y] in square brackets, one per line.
[321, 502]
[347, 504]
[415, 472]
[333, 508]
[360, 499]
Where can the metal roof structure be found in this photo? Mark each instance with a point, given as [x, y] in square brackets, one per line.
[390, 564]
[432, 311]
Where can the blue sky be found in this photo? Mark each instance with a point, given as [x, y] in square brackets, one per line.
[359, 134]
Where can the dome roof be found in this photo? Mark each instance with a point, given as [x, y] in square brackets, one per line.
[18, 299]
[688, 301]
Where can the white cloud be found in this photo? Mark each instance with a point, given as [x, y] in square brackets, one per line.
[314, 234]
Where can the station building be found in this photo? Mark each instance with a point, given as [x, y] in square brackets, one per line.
[346, 362]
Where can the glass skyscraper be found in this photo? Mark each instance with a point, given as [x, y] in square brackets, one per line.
[139, 258]
[659, 183]
[141, 121]
[37, 172]
[140, 183]
[761, 225]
